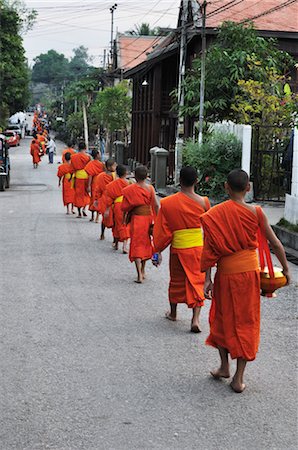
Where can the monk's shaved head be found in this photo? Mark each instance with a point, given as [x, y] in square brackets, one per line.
[188, 176]
[94, 153]
[238, 180]
[110, 163]
[82, 146]
[141, 173]
[121, 170]
[67, 156]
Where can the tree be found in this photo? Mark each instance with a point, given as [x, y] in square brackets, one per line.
[14, 74]
[79, 63]
[238, 53]
[50, 68]
[112, 108]
[143, 30]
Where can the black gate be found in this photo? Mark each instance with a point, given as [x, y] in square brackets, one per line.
[271, 162]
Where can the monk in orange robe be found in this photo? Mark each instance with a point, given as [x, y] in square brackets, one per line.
[93, 168]
[78, 163]
[230, 241]
[68, 149]
[178, 224]
[42, 143]
[64, 174]
[112, 199]
[141, 207]
[35, 152]
[100, 184]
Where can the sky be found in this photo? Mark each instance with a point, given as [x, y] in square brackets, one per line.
[67, 24]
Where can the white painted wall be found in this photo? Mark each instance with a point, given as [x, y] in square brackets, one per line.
[291, 207]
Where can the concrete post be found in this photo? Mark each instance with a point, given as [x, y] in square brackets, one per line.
[161, 156]
[153, 164]
[246, 148]
[291, 206]
[119, 152]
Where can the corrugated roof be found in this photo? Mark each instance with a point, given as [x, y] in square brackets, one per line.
[133, 50]
[269, 15]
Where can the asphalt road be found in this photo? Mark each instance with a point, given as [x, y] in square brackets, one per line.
[88, 360]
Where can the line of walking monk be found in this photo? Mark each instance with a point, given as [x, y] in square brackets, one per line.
[199, 237]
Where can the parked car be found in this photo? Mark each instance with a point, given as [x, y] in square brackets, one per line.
[4, 164]
[16, 128]
[12, 138]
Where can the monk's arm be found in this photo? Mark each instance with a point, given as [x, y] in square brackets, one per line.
[277, 248]
[162, 235]
[155, 204]
[89, 184]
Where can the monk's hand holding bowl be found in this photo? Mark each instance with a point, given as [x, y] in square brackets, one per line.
[287, 274]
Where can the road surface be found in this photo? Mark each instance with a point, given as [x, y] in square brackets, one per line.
[88, 360]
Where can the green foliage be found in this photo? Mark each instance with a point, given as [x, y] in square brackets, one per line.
[289, 226]
[214, 159]
[238, 53]
[14, 75]
[50, 68]
[112, 107]
[265, 103]
[75, 126]
[143, 30]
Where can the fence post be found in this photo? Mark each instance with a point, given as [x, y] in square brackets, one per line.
[152, 152]
[161, 156]
[119, 152]
[246, 148]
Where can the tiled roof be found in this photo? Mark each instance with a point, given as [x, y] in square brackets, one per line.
[133, 50]
[267, 15]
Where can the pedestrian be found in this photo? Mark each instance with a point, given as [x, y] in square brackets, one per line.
[178, 224]
[93, 168]
[101, 182]
[140, 206]
[68, 193]
[112, 199]
[80, 179]
[35, 152]
[51, 149]
[230, 241]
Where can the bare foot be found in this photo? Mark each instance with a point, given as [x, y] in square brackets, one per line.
[195, 329]
[73, 212]
[91, 220]
[79, 217]
[85, 214]
[237, 387]
[220, 373]
[125, 252]
[96, 221]
[170, 317]
[102, 237]
[67, 213]
[138, 281]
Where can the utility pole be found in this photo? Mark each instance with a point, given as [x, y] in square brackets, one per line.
[86, 134]
[180, 119]
[112, 10]
[203, 71]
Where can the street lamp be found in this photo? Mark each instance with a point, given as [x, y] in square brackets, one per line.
[112, 10]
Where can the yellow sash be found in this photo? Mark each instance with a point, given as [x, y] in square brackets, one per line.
[188, 238]
[119, 199]
[67, 176]
[82, 174]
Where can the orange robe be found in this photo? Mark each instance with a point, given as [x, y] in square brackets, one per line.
[101, 182]
[136, 199]
[67, 150]
[78, 164]
[41, 140]
[230, 241]
[93, 168]
[68, 192]
[179, 212]
[35, 151]
[112, 199]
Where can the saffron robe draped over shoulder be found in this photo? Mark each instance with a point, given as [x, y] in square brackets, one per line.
[68, 192]
[93, 168]
[78, 164]
[67, 150]
[177, 213]
[35, 151]
[230, 241]
[112, 198]
[134, 196]
[101, 182]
